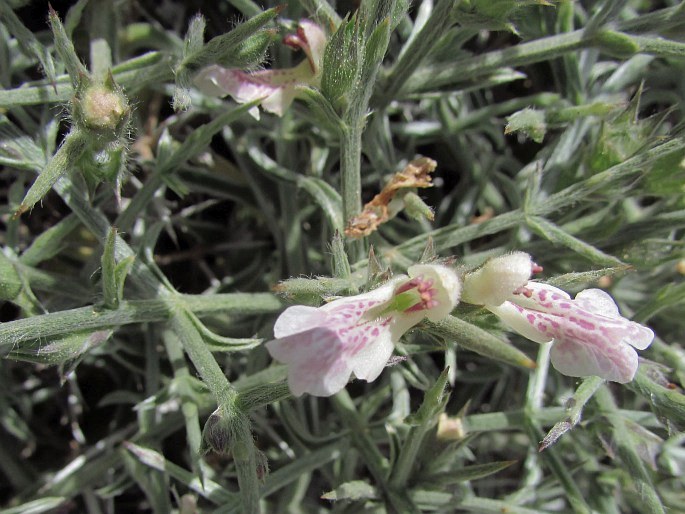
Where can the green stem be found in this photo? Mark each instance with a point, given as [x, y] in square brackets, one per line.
[425, 419]
[478, 340]
[559, 469]
[376, 463]
[233, 419]
[350, 169]
[132, 311]
[550, 457]
[515, 419]
[246, 7]
[582, 395]
[462, 70]
[139, 202]
[168, 307]
[534, 394]
[658, 46]
[190, 409]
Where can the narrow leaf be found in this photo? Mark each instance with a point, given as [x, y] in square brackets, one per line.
[466, 473]
[110, 288]
[476, 339]
[556, 235]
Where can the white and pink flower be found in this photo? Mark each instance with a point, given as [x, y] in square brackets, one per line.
[356, 335]
[276, 88]
[590, 337]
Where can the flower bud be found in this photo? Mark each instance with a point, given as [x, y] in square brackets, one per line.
[494, 282]
[529, 122]
[102, 108]
[450, 429]
[416, 207]
[217, 434]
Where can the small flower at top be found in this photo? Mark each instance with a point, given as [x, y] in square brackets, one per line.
[324, 346]
[590, 337]
[276, 88]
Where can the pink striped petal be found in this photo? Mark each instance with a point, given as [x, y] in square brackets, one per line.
[324, 346]
[276, 88]
[597, 301]
[592, 311]
[315, 363]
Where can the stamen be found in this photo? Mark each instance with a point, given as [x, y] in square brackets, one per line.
[301, 34]
[524, 291]
[413, 283]
[294, 41]
[426, 293]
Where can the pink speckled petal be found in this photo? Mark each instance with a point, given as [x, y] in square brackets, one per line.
[610, 360]
[375, 298]
[316, 361]
[298, 318]
[639, 336]
[579, 320]
[323, 346]
[588, 344]
[370, 361]
[594, 315]
[521, 320]
[630, 332]
[321, 360]
[544, 298]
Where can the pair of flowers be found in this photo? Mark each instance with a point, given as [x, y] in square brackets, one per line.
[325, 346]
[356, 335]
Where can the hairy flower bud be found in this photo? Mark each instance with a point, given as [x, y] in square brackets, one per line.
[102, 108]
[217, 434]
